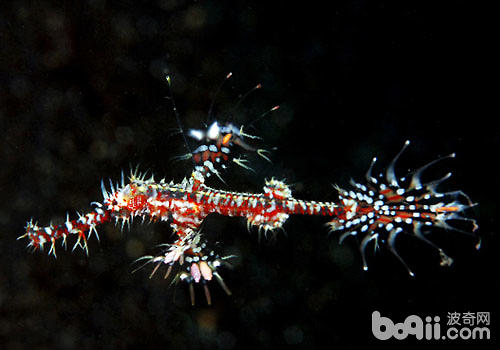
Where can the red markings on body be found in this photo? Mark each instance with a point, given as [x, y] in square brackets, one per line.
[137, 202]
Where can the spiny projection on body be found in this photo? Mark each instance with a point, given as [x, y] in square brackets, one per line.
[377, 210]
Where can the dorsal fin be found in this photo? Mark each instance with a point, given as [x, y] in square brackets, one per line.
[220, 143]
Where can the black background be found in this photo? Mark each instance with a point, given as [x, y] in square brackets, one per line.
[82, 96]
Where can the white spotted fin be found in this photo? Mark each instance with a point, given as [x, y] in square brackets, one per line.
[385, 207]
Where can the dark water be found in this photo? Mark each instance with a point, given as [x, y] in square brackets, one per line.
[82, 96]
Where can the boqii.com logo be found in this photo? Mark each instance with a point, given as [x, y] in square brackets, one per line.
[467, 325]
